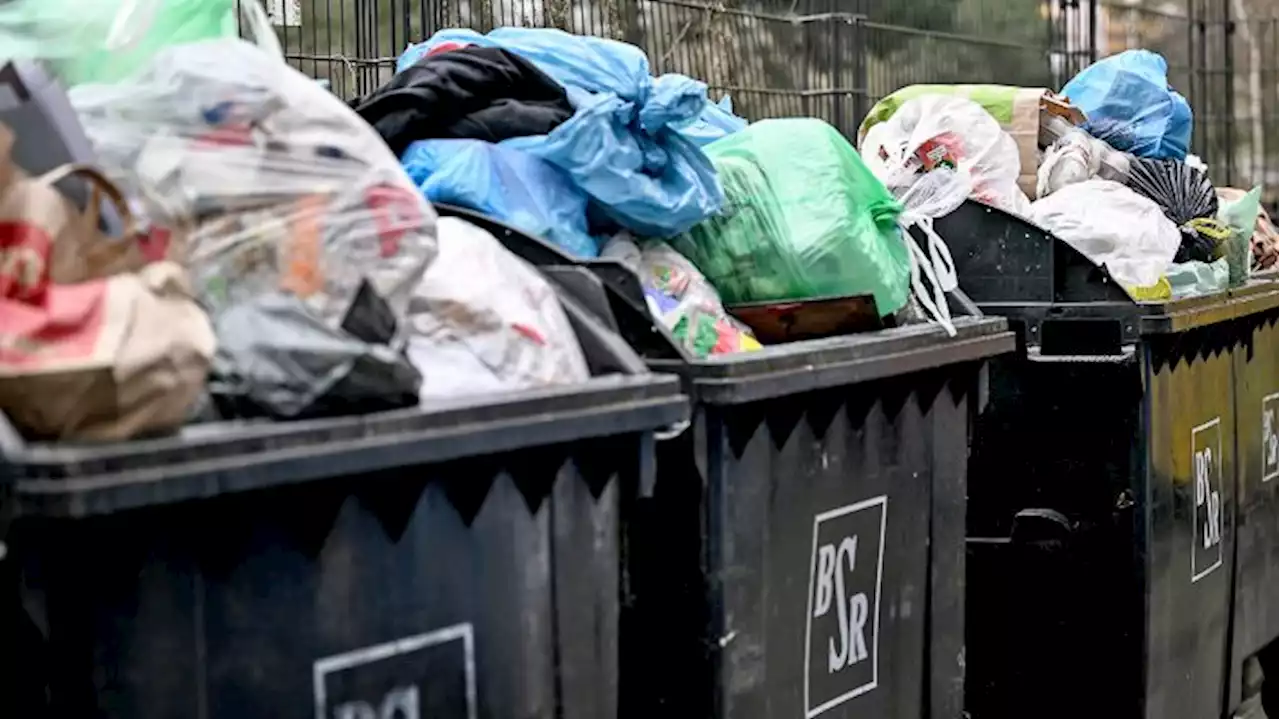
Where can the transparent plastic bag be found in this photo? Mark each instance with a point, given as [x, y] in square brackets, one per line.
[110, 40]
[681, 298]
[273, 186]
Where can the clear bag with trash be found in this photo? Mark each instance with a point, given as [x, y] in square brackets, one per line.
[303, 236]
[485, 321]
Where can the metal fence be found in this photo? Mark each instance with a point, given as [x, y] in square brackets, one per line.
[833, 59]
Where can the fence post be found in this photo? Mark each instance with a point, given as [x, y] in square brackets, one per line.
[861, 54]
[837, 59]
[1229, 88]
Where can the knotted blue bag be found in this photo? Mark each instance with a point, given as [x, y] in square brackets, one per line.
[625, 146]
[1130, 104]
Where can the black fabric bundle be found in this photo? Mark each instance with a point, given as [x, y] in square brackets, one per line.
[1185, 194]
[478, 93]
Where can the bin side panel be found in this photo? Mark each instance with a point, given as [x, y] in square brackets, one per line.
[1058, 593]
[950, 452]
[667, 662]
[426, 591]
[587, 572]
[1191, 454]
[824, 520]
[1255, 622]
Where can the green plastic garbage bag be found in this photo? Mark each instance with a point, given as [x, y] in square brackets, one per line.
[106, 41]
[1196, 279]
[1241, 216]
[803, 219]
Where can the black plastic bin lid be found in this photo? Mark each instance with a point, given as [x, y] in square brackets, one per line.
[209, 460]
[1012, 268]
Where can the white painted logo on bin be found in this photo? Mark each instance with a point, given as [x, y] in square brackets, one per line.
[1206, 526]
[430, 675]
[841, 635]
[1270, 437]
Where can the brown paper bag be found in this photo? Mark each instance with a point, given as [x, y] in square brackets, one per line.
[89, 347]
[105, 359]
[80, 250]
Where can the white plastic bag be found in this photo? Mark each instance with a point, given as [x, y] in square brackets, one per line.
[481, 320]
[1114, 227]
[1076, 157]
[936, 132]
[933, 154]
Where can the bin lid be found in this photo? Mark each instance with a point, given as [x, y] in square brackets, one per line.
[797, 367]
[1015, 269]
[202, 461]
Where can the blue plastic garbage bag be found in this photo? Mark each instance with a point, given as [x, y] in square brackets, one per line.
[506, 184]
[624, 147]
[716, 121]
[595, 65]
[1130, 104]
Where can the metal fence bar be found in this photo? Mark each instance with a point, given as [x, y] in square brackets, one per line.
[833, 59]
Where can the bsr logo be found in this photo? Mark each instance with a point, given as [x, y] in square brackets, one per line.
[399, 703]
[1208, 498]
[850, 647]
[842, 623]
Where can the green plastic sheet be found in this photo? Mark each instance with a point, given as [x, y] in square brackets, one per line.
[803, 219]
[106, 41]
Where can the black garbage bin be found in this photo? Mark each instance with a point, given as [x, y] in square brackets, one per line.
[801, 552]
[459, 561]
[1255, 624]
[1105, 485]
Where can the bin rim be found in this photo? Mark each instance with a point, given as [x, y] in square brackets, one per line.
[817, 364]
[1141, 319]
[206, 461]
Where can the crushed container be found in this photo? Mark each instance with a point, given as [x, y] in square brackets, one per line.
[801, 551]
[1109, 491]
[461, 560]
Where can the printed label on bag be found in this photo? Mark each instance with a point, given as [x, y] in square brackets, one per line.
[427, 675]
[24, 257]
[843, 620]
[1270, 437]
[1206, 513]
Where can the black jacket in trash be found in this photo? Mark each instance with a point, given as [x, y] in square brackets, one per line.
[478, 93]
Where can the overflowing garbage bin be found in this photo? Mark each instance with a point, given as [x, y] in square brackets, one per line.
[460, 560]
[1256, 603]
[1108, 485]
[801, 551]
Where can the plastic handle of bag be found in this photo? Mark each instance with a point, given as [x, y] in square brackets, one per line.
[256, 27]
[99, 182]
[939, 259]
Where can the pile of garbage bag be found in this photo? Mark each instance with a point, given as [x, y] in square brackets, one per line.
[1103, 165]
[207, 234]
